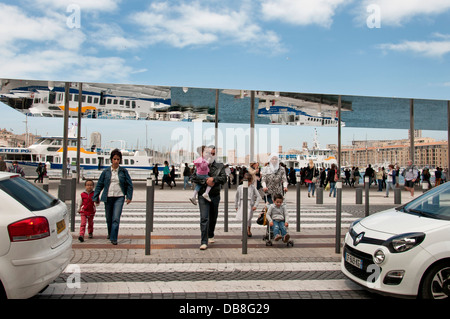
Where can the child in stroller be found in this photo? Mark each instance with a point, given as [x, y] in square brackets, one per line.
[278, 221]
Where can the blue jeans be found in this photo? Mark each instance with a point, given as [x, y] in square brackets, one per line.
[113, 211]
[208, 217]
[311, 187]
[333, 188]
[198, 187]
[186, 182]
[279, 228]
[389, 185]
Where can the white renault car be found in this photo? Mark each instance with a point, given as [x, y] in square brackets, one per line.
[35, 242]
[403, 251]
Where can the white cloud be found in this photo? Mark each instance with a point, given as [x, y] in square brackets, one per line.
[302, 12]
[433, 49]
[44, 47]
[399, 12]
[182, 25]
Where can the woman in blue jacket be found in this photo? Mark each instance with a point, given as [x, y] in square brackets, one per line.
[117, 188]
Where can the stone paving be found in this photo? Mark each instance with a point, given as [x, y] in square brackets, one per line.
[176, 268]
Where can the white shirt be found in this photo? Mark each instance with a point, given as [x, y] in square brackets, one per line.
[114, 187]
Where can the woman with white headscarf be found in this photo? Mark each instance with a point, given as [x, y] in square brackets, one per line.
[273, 178]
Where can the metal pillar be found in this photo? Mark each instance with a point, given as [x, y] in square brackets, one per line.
[225, 207]
[80, 103]
[150, 198]
[338, 216]
[298, 206]
[66, 128]
[244, 216]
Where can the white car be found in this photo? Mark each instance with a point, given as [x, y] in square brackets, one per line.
[35, 240]
[404, 251]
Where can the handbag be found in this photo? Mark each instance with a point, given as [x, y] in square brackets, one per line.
[262, 217]
[314, 179]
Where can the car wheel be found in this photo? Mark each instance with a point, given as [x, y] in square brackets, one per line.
[436, 283]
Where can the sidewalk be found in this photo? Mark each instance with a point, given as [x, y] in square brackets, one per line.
[181, 245]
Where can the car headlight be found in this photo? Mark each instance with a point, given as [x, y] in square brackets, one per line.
[353, 224]
[404, 242]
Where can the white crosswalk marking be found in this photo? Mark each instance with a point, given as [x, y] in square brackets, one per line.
[190, 286]
[183, 216]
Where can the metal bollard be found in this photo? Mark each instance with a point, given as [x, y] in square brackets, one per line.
[73, 204]
[298, 206]
[366, 204]
[62, 192]
[225, 207]
[149, 213]
[45, 184]
[359, 195]
[397, 195]
[319, 195]
[338, 216]
[244, 215]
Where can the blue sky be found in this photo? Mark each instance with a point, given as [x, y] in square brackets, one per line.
[370, 47]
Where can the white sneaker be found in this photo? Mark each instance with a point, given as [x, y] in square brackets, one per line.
[193, 200]
[203, 247]
[211, 240]
[206, 196]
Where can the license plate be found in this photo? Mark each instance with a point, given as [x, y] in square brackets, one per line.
[352, 260]
[60, 226]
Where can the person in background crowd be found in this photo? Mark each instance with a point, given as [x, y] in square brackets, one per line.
[391, 179]
[410, 175]
[15, 168]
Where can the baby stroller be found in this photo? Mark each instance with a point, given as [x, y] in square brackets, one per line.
[269, 232]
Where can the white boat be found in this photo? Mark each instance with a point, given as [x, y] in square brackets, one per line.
[321, 157]
[290, 115]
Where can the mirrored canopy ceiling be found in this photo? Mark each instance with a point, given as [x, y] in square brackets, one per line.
[164, 103]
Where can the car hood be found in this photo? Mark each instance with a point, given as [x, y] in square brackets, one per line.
[396, 222]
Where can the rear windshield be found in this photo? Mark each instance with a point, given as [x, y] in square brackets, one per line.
[30, 196]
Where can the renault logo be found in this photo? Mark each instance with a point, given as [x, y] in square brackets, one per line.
[358, 239]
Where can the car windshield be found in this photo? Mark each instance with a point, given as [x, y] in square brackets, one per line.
[434, 204]
[30, 196]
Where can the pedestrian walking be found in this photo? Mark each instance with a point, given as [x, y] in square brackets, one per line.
[311, 174]
[209, 210]
[253, 201]
[391, 179]
[39, 173]
[379, 177]
[410, 175]
[156, 173]
[116, 187]
[86, 209]
[186, 176]
[332, 178]
[172, 176]
[273, 178]
[166, 175]
[15, 168]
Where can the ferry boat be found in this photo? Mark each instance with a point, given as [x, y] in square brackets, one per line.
[101, 101]
[321, 157]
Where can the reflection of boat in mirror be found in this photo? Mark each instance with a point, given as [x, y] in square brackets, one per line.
[288, 115]
[100, 101]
